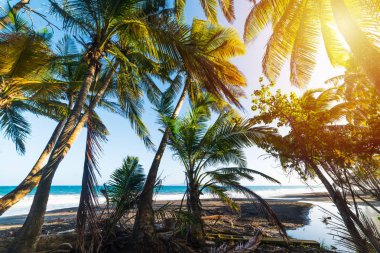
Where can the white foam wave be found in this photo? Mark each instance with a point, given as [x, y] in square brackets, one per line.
[71, 200]
[55, 202]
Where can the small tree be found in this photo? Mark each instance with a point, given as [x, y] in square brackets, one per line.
[199, 146]
[318, 145]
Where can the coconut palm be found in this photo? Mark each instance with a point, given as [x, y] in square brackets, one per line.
[40, 92]
[122, 192]
[128, 88]
[200, 147]
[205, 51]
[298, 28]
[26, 84]
[9, 14]
[29, 84]
[101, 24]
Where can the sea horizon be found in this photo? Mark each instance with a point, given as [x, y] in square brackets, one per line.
[65, 196]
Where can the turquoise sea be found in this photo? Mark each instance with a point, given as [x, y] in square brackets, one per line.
[315, 229]
[68, 195]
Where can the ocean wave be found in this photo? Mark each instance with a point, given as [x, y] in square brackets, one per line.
[171, 193]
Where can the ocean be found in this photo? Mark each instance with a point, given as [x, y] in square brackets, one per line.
[316, 229]
[68, 195]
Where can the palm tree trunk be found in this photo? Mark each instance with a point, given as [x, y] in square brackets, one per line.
[364, 51]
[4, 21]
[27, 238]
[342, 207]
[195, 236]
[143, 230]
[32, 179]
[87, 207]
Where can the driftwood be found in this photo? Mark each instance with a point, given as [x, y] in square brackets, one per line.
[47, 243]
[282, 242]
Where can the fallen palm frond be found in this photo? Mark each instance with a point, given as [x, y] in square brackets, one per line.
[343, 237]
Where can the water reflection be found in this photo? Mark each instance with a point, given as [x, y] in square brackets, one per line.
[319, 231]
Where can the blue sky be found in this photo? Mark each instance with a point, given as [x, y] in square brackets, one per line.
[122, 140]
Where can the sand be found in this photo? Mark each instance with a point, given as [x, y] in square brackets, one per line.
[292, 213]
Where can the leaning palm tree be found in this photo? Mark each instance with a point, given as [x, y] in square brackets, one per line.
[29, 83]
[205, 51]
[129, 89]
[25, 81]
[102, 24]
[298, 28]
[40, 92]
[200, 147]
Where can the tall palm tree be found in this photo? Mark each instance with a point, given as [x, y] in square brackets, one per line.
[29, 84]
[42, 92]
[102, 23]
[298, 28]
[200, 147]
[205, 51]
[129, 88]
[26, 83]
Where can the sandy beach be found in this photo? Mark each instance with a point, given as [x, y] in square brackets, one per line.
[301, 215]
[288, 208]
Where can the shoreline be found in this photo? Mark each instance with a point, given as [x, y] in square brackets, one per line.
[300, 214]
[291, 209]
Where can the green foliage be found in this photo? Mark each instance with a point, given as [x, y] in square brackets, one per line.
[125, 184]
[299, 27]
[26, 82]
[14, 126]
[200, 146]
[329, 133]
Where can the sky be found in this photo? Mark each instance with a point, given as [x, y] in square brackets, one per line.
[122, 141]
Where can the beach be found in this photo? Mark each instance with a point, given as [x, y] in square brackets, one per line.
[301, 213]
[292, 213]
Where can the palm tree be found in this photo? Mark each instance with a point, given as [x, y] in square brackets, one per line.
[205, 51]
[122, 192]
[40, 92]
[200, 146]
[129, 89]
[102, 23]
[9, 14]
[298, 27]
[28, 85]
[25, 84]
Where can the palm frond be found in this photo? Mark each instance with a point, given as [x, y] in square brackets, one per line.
[305, 48]
[221, 193]
[87, 217]
[246, 173]
[15, 127]
[23, 54]
[263, 206]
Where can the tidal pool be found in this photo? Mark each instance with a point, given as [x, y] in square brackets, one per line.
[321, 231]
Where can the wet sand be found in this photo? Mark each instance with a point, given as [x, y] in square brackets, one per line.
[291, 212]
